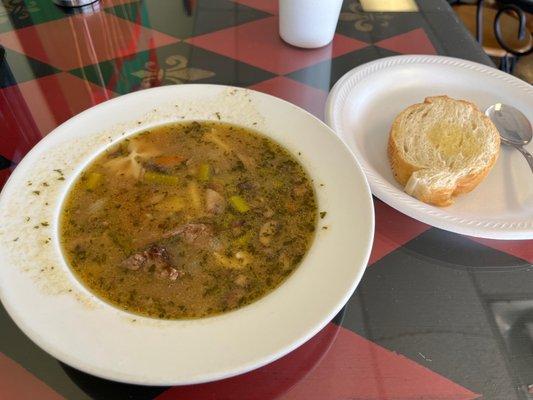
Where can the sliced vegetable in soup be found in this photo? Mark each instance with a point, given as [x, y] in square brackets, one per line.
[188, 220]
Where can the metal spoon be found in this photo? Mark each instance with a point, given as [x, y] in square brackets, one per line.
[514, 127]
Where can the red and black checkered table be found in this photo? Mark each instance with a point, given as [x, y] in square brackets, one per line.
[436, 316]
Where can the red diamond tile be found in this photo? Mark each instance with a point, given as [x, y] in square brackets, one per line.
[412, 42]
[351, 368]
[518, 248]
[269, 6]
[81, 40]
[307, 97]
[19, 131]
[393, 229]
[34, 108]
[61, 97]
[258, 43]
[17, 383]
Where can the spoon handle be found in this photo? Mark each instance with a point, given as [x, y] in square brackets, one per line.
[527, 155]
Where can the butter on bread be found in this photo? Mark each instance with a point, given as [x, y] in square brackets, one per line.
[441, 148]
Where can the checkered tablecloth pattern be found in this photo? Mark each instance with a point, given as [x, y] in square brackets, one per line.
[420, 325]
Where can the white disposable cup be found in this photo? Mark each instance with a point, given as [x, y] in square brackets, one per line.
[308, 23]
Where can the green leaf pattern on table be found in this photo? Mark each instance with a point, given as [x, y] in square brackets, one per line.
[18, 9]
[365, 22]
[174, 70]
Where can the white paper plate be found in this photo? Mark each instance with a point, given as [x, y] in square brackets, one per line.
[365, 101]
[48, 303]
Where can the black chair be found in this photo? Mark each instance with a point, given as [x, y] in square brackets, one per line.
[500, 26]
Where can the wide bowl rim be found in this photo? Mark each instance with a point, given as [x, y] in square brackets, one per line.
[55, 351]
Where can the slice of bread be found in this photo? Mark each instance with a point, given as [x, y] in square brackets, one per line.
[441, 148]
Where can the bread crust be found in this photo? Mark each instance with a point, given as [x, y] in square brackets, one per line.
[403, 169]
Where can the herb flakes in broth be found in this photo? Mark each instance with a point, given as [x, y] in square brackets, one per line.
[188, 220]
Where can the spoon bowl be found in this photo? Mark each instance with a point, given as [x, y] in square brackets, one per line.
[514, 127]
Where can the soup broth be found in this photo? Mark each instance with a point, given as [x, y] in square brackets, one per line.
[188, 220]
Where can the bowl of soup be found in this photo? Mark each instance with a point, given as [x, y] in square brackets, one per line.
[182, 234]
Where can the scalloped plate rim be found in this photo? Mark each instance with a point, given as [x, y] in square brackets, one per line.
[390, 194]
